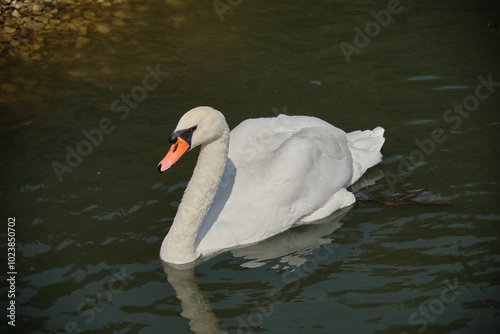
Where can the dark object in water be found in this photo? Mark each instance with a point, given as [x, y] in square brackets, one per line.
[411, 197]
[494, 26]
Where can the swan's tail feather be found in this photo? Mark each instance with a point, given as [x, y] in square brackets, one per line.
[365, 150]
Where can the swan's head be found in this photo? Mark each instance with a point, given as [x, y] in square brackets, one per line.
[200, 125]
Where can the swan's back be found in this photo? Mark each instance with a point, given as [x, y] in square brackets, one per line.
[283, 171]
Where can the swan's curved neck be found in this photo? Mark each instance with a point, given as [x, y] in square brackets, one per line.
[179, 245]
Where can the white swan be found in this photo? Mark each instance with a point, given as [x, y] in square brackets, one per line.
[266, 176]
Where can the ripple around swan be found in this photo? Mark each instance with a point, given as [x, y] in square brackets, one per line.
[32, 187]
[420, 122]
[450, 87]
[423, 78]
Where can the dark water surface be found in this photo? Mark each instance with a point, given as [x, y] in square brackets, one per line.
[87, 241]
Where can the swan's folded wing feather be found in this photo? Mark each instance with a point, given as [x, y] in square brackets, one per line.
[282, 173]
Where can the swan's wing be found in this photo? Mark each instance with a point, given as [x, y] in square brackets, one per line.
[280, 171]
[365, 149]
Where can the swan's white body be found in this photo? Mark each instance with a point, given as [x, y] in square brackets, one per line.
[266, 176]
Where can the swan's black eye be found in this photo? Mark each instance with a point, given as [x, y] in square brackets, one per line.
[173, 138]
[193, 128]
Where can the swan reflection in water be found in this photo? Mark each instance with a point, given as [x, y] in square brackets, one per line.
[195, 304]
[305, 246]
[293, 248]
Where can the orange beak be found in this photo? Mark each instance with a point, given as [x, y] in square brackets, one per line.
[176, 151]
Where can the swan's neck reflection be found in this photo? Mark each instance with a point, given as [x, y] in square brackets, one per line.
[195, 304]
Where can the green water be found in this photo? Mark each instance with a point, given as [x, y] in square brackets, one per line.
[88, 232]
